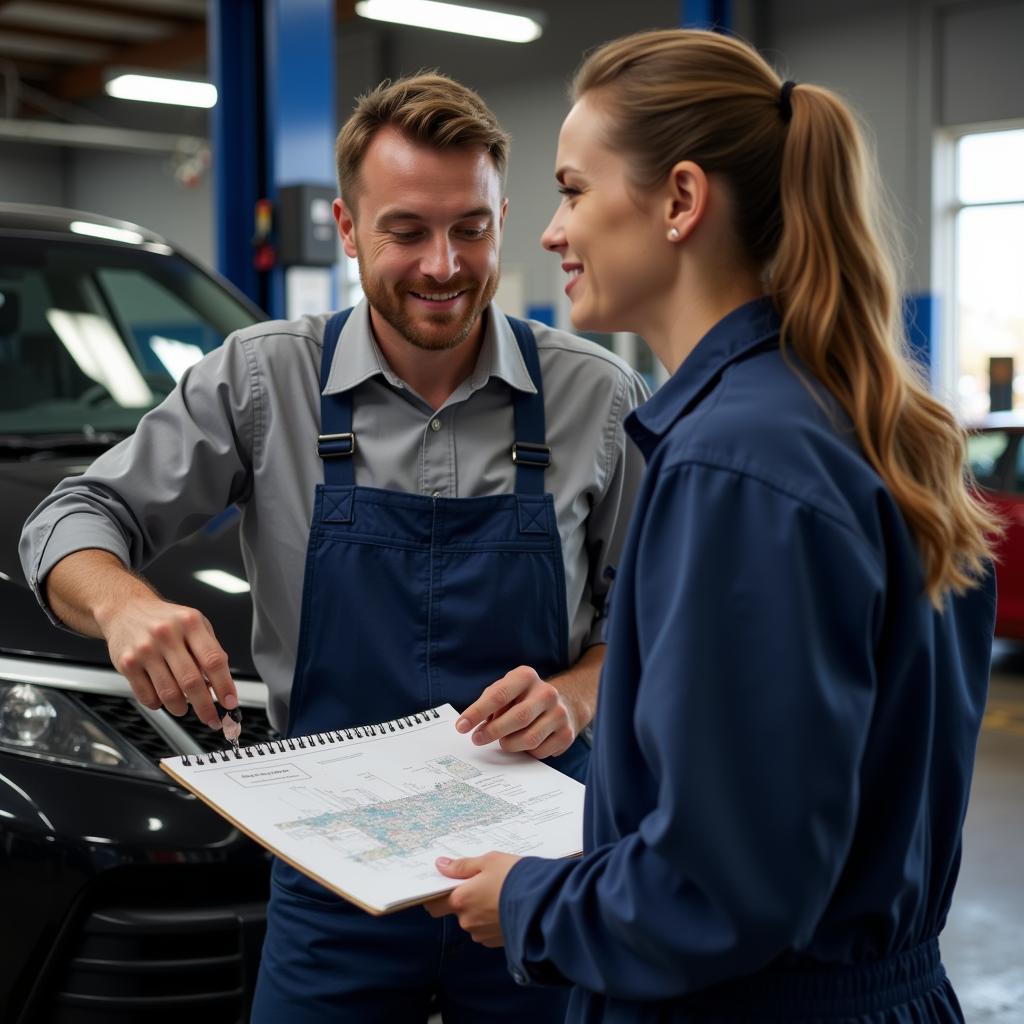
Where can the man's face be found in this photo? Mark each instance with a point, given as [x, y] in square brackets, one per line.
[426, 230]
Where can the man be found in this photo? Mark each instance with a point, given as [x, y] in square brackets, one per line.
[459, 483]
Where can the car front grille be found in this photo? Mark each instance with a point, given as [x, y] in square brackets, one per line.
[123, 715]
[161, 966]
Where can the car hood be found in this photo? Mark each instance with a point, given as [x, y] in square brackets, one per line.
[25, 630]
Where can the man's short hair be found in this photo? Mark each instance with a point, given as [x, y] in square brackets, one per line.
[428, 108]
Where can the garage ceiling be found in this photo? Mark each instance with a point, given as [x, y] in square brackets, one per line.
[54, 55]
[55, 52]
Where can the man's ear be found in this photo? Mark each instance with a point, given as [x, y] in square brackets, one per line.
[346, 227]
[687, 199]
[503, 214]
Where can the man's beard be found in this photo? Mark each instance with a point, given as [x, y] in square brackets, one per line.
[451, 329]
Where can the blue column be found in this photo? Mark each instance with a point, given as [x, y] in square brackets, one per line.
[274, 123]
[300, 112]
[710, 14]
[239, 179]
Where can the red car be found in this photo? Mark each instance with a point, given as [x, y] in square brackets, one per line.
[995, 450]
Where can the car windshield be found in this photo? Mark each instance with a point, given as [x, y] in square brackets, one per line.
[93, 335]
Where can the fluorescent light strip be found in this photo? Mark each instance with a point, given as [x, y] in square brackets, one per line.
[469, 21]
[151, 89]
[84, 227]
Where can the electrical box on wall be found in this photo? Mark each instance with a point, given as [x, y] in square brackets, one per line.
[306, 234]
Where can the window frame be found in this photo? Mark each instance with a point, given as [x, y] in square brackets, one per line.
[947, 207]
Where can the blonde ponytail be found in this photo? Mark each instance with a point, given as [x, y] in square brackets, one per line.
[807, 204]
[833, 281]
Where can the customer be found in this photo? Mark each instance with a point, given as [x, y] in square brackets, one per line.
[802, 617]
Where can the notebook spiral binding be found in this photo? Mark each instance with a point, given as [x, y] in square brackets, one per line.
[313, 739]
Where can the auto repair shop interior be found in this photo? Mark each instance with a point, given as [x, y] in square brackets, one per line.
[138, 231]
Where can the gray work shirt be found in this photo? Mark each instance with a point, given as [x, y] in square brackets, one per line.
[242, 425]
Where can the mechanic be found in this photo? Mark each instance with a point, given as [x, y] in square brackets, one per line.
[460, 483]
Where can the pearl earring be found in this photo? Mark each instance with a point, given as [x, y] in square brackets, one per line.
[673, 234]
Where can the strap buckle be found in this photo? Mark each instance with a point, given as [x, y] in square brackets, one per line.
[528, 454]
[336, 446]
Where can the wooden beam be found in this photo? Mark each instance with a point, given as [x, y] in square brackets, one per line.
[178, 18]
[34, 70]
[167, 54]
[58, 34]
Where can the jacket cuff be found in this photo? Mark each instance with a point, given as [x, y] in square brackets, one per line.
[523, 900]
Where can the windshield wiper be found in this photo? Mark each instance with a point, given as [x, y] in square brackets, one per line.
[64, 443]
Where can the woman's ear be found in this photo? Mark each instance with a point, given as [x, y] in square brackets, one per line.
[686, 201]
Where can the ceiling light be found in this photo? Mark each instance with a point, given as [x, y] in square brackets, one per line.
[470, 21]
[180, 91]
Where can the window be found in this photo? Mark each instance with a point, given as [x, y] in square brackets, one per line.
[988, 264]
[93, 335]
[168, 335]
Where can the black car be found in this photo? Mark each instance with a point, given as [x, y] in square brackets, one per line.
[122, 897]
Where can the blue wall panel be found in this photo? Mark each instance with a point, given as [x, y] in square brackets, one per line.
[710, 14]
[921, 323]
[300, 90]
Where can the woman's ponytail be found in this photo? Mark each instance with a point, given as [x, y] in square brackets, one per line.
[833, 280]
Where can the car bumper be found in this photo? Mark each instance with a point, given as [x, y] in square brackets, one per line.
[125, 899]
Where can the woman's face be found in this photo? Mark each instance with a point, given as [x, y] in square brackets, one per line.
[612, 242]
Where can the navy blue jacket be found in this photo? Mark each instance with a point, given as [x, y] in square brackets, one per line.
[785, 731]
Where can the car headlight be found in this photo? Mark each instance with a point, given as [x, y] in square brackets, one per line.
[46, 723]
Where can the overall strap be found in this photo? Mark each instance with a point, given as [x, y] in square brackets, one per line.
[529, 452]
[336, 443]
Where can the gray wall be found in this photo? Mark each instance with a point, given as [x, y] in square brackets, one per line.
[31, 174]
[135, 187]
[138, 187]
[911, 67]
[143, 189]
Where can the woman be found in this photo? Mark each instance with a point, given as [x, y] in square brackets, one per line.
[802, 618]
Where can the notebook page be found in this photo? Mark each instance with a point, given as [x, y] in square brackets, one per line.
[368, 815]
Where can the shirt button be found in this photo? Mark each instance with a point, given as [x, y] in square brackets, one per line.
[435, 424]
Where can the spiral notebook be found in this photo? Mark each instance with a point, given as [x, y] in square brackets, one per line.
[366, 811]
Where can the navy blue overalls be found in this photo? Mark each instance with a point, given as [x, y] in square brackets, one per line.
[410, 601]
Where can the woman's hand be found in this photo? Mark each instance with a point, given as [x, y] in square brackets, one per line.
[475, 902]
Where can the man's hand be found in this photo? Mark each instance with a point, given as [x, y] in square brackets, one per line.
[522, 712]
[170, 656]
[475, 902]
[167, 652]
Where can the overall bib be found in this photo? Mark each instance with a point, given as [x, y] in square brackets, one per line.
[410, 601]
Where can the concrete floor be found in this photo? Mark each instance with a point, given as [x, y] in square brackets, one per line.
[983, 943]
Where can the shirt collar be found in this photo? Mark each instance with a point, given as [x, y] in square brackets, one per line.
[358, 357]
[736, 334]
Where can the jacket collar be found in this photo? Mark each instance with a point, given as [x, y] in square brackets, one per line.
[358, 357]
[734, 336]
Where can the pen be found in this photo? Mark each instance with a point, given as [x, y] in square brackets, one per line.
[231, 723]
